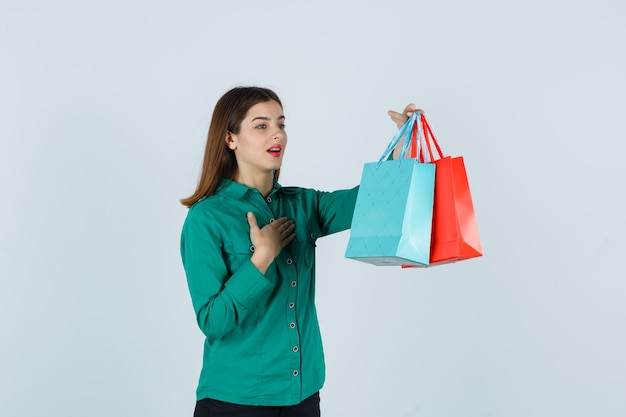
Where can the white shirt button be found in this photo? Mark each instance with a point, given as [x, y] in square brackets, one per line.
[295, 348]
[292, 325]
[295, 373]
[289, 261]
[269, 199]
[294, 283]
[291, 305]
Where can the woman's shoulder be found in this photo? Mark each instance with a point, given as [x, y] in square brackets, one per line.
[300, 193]
[208, 201]
[206, 206]
[290, 190]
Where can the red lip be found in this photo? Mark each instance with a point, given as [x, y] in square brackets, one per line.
[275, 150]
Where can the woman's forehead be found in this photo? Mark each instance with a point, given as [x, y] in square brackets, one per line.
[265, 109]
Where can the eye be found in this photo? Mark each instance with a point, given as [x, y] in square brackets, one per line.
[261, 126]
[281, 126]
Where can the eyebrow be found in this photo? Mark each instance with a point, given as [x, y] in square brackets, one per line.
[266, 118]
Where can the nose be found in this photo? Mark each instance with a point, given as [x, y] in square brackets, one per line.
[279, 135]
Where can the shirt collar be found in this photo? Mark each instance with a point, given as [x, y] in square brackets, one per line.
[234, 190]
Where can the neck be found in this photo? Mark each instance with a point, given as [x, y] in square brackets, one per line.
[264, 183]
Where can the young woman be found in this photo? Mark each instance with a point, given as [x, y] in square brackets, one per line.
[248, 248]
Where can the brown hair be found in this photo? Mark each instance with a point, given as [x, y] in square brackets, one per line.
[219, 161]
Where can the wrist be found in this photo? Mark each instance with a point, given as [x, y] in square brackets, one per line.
[262, 260]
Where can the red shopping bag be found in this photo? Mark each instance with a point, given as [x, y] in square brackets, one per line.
[455, 230]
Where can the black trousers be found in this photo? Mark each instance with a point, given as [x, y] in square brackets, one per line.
[213, 408]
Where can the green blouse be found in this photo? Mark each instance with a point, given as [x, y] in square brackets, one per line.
[263, 343]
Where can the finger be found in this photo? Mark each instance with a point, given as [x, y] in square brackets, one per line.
[395, 115]
[410, 113]
[397, 118]
[288, 239]
[288, 229]
[252, 221]
[285, 224]
[280, 222]
[276, 224]
[408, 110]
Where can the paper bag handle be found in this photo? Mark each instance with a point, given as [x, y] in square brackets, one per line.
[411, 123]
[429, 137]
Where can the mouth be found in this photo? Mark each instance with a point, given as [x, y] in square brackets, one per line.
[275, 150]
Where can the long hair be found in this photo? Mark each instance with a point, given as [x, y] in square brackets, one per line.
[219, 160]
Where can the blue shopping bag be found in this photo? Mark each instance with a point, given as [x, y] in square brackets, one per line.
[392, 219]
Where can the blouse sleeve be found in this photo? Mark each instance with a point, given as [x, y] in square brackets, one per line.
[335, 210]
[220, 301]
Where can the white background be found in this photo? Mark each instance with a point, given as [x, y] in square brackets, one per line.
[104, 109]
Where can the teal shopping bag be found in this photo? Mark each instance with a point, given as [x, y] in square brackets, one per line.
[392, 219]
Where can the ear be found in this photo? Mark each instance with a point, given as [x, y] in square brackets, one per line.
[230, 141]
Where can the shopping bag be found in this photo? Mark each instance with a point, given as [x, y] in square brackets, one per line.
[392, 220]
[455, 234]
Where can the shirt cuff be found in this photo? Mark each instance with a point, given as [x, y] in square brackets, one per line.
[248, 284]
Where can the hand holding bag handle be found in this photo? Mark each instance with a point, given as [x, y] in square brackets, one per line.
[412, 125]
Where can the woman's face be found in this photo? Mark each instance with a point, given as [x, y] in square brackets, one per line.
[260, 144]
